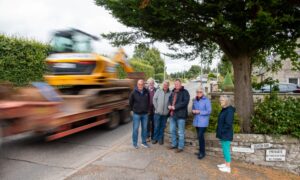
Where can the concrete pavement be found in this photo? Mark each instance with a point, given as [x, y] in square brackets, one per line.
[157, 162]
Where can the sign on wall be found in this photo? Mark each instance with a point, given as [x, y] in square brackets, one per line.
[242, 149]
[275, 154]
[261, 146]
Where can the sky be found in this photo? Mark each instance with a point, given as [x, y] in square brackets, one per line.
[37, 19]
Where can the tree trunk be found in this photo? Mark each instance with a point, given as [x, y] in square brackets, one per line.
[243, 97]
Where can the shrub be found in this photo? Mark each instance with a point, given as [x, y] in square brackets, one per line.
[141, 67]
[22, 60]
[277, 116]
[228, 84]
[159, 77]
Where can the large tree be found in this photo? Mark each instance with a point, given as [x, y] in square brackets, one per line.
[242, 29]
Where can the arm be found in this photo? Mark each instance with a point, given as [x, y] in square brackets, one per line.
[207, 108]
[131, 101]
[185, 102]
[155, 98]
[193, 107]
[229, 119]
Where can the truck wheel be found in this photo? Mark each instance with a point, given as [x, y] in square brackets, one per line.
[125, 116]
[114, 120]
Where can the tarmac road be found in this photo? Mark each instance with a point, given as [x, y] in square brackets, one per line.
[24, 157]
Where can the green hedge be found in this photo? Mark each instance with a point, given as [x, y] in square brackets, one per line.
[277, 116]
[138, 66]
[21, 60]
[159, 77]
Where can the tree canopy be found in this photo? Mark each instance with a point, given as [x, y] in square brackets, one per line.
[243, 29]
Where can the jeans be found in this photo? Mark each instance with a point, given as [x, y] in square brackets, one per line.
[150, 129]
[226, 150]
[137, 118]
[179, 124]
[200, 134]
[159, 127]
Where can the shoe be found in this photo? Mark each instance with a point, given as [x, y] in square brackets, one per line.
[225, 169]
[145, 145]
[154, 141]
[172, 147]
[148, 139]
[201, 156]
[179, 150]
[135, 146]
[221, 165]
[160, 142]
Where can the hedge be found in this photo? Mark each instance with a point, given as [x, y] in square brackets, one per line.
[138, 67]
[277, 116]
[22, 60]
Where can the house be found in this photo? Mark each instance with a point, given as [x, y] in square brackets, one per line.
[285, 75]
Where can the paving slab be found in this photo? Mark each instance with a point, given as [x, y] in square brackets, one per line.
[20, 170]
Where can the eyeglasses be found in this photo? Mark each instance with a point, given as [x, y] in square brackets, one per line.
[199, 92]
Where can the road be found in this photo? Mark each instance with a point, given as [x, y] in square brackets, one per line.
[25, 157]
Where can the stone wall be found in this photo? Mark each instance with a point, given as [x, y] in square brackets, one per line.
[256, 96]
[243, 151]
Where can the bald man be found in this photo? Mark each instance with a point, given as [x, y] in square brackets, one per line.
[139, 104]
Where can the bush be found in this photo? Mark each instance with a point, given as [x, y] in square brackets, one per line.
[213, 121]
[140, 67]
[22, 60]
[159, 77]
[277, 116]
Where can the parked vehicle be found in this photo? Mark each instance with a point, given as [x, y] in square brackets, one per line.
[283, 88]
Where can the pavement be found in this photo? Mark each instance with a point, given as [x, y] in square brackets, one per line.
[159, 163]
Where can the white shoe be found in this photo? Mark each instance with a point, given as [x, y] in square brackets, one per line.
[225, 169]
[221, 165]
[145, 145]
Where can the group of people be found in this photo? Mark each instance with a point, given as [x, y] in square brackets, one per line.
[152, 107]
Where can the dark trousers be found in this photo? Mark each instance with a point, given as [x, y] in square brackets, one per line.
[200, 133]
[150, 132]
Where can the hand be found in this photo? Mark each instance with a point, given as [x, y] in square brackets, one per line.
[170, 107]
[197, 111]
[173, 107]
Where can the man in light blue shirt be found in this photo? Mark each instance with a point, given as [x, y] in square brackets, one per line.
[201, 110]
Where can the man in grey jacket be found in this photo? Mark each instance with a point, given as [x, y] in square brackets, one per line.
[160, 102]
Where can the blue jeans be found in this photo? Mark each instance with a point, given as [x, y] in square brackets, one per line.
[159, 127]
[137, 118]
[179, 124]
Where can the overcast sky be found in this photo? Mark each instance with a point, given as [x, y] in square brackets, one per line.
[36, 19]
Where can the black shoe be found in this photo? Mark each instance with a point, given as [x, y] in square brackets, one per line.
[154, 141]
[161, 142]
[201, 156]
[172, 147]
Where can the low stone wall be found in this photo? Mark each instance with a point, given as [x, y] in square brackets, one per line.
[256, 96]
[282, 152]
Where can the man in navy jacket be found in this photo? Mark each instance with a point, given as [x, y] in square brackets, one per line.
[139, 104]
[178, 106]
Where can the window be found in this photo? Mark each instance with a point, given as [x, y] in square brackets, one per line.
[293, 80]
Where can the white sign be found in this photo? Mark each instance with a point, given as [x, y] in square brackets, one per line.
[242, 149]
[261, 146]
[275, 154]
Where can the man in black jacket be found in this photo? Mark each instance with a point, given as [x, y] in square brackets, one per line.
[178, 106]
[139, 104]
